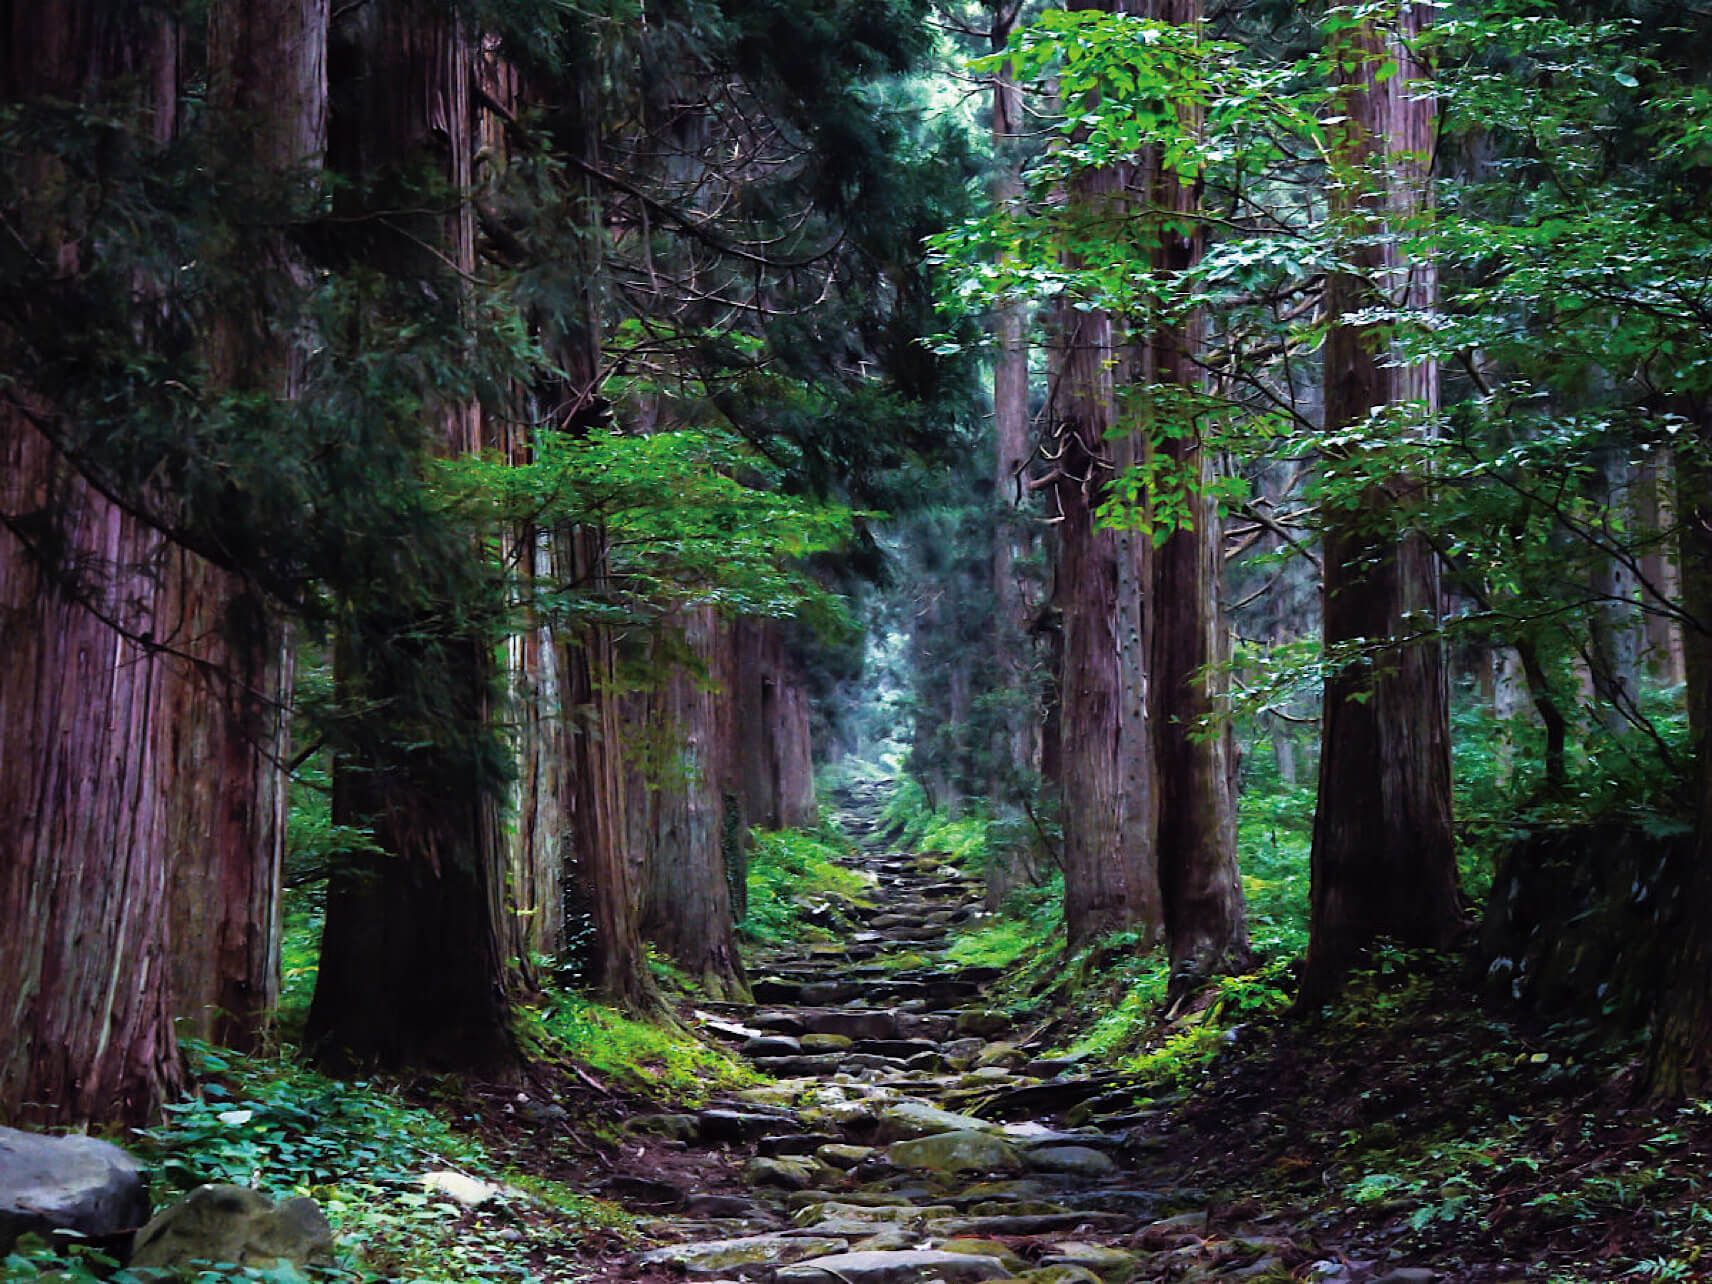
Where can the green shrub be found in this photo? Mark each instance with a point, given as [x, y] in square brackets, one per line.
[645, 1057]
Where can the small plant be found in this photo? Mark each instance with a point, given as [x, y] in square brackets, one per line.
[653, 1060]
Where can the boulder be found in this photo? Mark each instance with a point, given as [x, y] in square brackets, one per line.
[235, 1224]
[67, 1183]
[791, 1173]
[957, 1152]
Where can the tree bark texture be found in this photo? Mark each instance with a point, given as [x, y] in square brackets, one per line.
[1206, 923]
[1383, 861]
[86, 761]
[1679, 1062]
[774, 744]
[268, 87]
[686, 896]
[413, 962]
[1107, 767]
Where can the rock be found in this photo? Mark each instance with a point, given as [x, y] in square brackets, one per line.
[877, 1024]
[960, 1054]
[235, 1224]
[718, 1206]
[734, 1125]
[1113, 1265]
[796, 1143]
[1050, 1067]
[911, 1118]
[791, 1174]
[716, 1256]
[1079, 1161]
[840, 1155]
[827, 1043]
[957, 1152]
[983, 1022]
[1063, 1273]
[818, 992]
[1169, 1232]
[469, 1192]
[888, 1240]
[70, 1183]
[1033, 1224]
[772, 1045]
[897, 1214]
[986, 1248]
[904, 1266]
[1001, 1054]
[1406, 1275]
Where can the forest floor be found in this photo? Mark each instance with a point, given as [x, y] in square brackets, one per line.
[911, 1132]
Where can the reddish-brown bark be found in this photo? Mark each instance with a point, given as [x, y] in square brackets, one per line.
[86, 770]
[1382, 863]
[413, 963]
[1205, 920]
[686, 897]
[774, 745]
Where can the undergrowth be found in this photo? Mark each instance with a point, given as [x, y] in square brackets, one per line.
[658, 1061]
[798, 890]
[361, 1152]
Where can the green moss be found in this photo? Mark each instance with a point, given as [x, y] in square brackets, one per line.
[794, 874]
[653, 1059]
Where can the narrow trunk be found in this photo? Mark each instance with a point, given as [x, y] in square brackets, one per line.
[1660, 571]
[775, 752]
[1383, 862]
[1614, 635]
[1206, 922]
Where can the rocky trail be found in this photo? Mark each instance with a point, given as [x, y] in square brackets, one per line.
[912, 1135]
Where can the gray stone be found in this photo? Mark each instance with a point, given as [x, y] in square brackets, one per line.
[69, 1183]
[903, 1266]
[960, 1054]
[877, 1024]
[911, 1118]
[827, 1043]
[840, 1155]
[735, 1125]
[1080, 1161]
[714, 1257]
[796, 1143]
[983, 1022]
[1113, 1265]
[791, 1174]
[957, 1152]
[772, 1045]
[235, 1224]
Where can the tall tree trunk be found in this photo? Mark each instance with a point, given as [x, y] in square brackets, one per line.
[1614, 634]
[413, 969]
[1108, 765]
[686, 904]
[1679, 1061]
[775, 749]
[1206, 924]
[268, 89]
[1383, 862]
[1660, 569]
[86, 764]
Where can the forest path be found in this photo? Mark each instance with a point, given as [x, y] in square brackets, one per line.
[905, 1139]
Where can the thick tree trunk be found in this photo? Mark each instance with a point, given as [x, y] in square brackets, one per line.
[1383, 862]
[413, 963]
[86, 763]
[268, 87]
[774, 744]
[686, 904]
[1614, 634]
